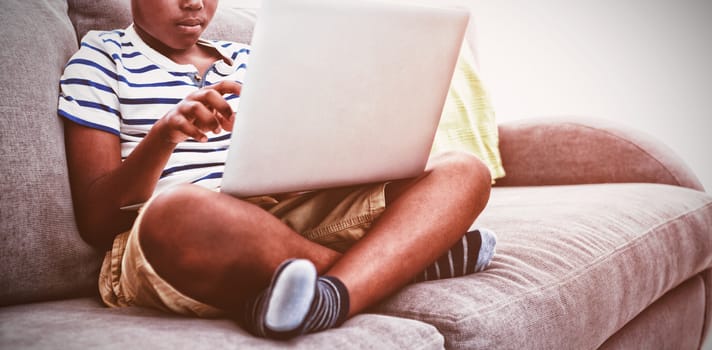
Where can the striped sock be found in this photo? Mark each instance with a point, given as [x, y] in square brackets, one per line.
[471, 254]
[297, 302]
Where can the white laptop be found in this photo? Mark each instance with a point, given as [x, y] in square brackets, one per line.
[341, 92]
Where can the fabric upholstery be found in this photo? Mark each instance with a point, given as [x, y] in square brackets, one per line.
[85, 324]
[569, 150]
[673, 322]
[98, 15]
[575, 264]
[707, 279]
[41, 255]
[569, 258]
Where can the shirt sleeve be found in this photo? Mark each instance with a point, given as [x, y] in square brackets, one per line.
[89, 84]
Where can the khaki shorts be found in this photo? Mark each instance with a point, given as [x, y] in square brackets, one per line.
[335, 218]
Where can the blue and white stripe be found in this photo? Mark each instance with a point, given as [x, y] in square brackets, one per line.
[118, 84]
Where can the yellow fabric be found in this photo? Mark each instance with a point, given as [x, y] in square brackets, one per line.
[468, 120]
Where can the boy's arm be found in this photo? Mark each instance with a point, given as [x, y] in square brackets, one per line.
[102, 183]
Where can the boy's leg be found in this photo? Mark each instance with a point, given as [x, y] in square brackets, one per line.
[455, 189]
[218, 249]
[424, 218]
[221, 250]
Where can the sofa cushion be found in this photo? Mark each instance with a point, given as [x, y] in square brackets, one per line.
[41, 255]
[570, 150]
[674, 321]
[570, 260]
[233, 20]
[86, 324]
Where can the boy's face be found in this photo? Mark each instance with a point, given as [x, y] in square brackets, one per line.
[176, 24]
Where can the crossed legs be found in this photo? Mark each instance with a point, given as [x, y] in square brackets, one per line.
[222, 251]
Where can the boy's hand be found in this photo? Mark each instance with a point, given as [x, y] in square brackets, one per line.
[201, 111]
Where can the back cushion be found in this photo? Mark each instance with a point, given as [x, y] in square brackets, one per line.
[41, 255]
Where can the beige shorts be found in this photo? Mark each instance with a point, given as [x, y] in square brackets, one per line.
[335, 218]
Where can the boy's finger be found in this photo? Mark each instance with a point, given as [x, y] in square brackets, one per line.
[199, 115]
[193, 131]
[227, 87]
[226, 122]
[214, 100]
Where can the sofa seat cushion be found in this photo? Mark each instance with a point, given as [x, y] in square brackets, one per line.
[571, 261]
[86, 324]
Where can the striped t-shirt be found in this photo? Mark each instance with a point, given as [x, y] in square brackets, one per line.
[118, 84]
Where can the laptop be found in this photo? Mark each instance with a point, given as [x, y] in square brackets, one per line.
[341, 92]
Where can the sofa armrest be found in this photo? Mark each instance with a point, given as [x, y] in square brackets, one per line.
[562, 151]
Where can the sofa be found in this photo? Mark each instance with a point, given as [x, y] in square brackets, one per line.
[605, 235]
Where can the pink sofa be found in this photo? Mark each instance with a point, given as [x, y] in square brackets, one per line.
[605, 236]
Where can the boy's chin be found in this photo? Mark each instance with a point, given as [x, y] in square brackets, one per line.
[183, 42]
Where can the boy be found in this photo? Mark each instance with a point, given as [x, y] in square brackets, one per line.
[147, 114]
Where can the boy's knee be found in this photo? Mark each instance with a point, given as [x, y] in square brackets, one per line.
[465, 166]
[166, 203]
[160, 227]
[181, 194]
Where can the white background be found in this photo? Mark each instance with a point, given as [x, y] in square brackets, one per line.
[644, 63]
